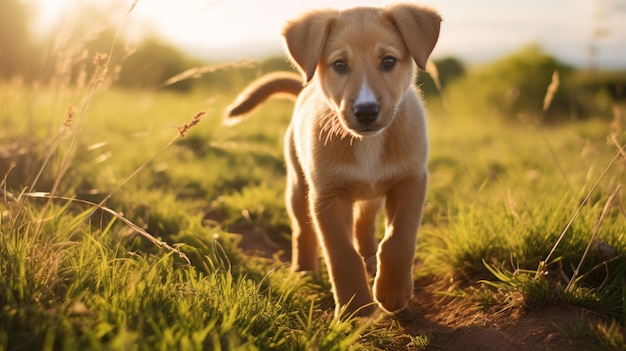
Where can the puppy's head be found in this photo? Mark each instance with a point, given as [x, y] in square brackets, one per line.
[363, 58]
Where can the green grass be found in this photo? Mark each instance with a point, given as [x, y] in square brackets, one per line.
[83, 272]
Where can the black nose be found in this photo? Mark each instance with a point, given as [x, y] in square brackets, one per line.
[367, 112]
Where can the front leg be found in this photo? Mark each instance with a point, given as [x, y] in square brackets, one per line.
[393, 286]
[333, 219]
[365, 232]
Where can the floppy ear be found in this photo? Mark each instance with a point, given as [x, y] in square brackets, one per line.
[419, 28]
[304, 39]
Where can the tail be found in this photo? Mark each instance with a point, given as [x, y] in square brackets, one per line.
[261, 89]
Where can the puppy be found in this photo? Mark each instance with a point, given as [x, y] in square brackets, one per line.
[357, 142]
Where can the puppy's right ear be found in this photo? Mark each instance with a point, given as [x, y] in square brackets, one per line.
[305, 38]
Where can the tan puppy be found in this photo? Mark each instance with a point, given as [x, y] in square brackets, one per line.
[357, 141]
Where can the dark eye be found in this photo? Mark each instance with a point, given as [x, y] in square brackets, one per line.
[388, 63]
[340, 66]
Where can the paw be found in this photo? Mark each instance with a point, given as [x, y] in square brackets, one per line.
[393, 292]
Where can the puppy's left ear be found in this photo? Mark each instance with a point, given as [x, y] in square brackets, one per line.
[419, 28]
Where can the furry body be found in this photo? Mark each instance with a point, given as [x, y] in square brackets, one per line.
[357, 142]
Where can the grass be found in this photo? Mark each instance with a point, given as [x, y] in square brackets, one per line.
[77, 275]
[115, 228]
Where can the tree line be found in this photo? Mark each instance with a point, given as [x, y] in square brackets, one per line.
[66, 52]
[514, 83]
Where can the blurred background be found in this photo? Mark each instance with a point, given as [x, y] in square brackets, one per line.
[580, 32]
[515, 45]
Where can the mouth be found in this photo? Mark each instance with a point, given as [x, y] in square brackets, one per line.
[368, 130]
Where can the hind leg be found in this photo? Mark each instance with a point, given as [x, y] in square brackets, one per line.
[304, 256]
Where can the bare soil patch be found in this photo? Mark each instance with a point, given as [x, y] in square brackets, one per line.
[453, 323]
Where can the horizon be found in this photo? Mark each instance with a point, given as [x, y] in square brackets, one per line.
[477, 32]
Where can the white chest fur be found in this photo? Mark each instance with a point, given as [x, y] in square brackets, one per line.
[369, 164]
[369, 154]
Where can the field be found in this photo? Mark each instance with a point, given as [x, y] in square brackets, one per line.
[135, 220]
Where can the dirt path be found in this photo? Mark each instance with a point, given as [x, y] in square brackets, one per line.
[451, 323]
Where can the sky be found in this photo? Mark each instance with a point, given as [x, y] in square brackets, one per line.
[475, 31]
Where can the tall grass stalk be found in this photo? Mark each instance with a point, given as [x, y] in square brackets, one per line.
[182, 131]
[594, 235]
[550, 92]
[542, 264]
[117, 215]
[101, 62]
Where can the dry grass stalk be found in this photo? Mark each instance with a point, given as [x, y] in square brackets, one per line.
[616, 129]
[197, 72]
[132, 7]
[552, 88]
[432, 69]
[3, 191]
[101, 61]
[621, 152]
[182, 130]
[596, 229]
[118, 215]
[70, 117]
[513, 206]
[543, 263]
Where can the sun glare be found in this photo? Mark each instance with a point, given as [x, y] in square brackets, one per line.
[229, 28]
